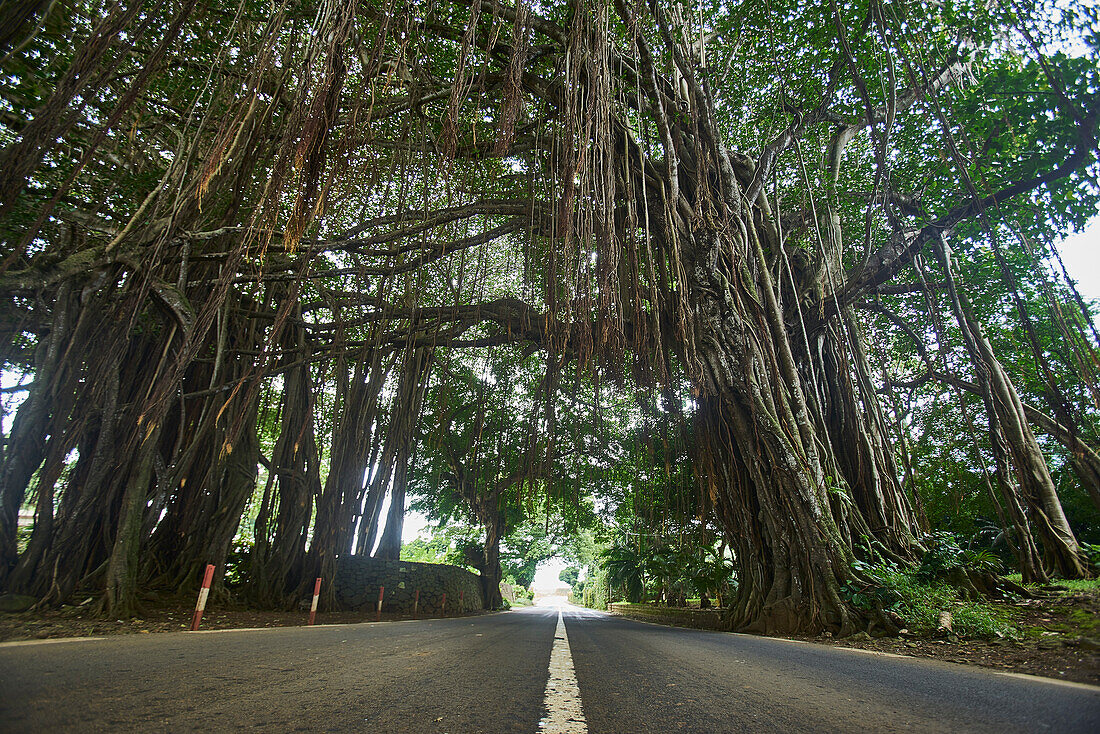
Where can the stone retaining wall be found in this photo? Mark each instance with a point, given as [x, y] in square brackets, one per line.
[358, 579]
[703, 619]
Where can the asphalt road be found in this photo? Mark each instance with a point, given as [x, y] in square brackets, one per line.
[489, 674]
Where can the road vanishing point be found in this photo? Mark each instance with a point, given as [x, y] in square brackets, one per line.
[544, 669]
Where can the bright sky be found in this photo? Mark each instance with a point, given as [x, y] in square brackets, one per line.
[1081, 254]
[546, 577]
[416, 525]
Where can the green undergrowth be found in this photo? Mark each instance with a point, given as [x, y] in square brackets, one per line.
[1077, 621]
[920, 600]
[922, 597]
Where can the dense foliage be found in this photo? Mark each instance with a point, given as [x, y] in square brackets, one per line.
[749, 302]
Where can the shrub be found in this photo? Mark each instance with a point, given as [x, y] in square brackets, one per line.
[944, 553]
[919, 600]
[1092, 553]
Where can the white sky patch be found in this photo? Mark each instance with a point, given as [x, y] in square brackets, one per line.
[1081, 254]
[564, 713]
[416, 526]
[546, 576]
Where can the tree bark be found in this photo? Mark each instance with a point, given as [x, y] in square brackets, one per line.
[390, 544]
[760, 454]
[410, 395]
[491, 573]
[857, 430]
[1022, 468]
[122, 566]
[277, 563]
[26, 446]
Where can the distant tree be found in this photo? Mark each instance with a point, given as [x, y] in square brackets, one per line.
[424, 551]
[626, 570]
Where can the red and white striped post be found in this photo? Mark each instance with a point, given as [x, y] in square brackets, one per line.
[381, 590]
[443, 604]
[313, 606]
[204, 592]
[416, 601]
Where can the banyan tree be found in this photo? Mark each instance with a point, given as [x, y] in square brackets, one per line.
[236, 236]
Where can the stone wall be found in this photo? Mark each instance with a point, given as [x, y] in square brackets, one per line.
[508, 592]
[358, 579]
[702, 619]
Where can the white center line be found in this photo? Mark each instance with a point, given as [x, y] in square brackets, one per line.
[562, 699]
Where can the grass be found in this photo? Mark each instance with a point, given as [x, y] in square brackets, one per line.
[1083, 619]
[920, 602]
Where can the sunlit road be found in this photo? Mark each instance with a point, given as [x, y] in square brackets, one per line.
[489, 674]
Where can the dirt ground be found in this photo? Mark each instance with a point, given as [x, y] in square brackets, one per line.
[1059, 634]
[1059, 638]
[81, 621]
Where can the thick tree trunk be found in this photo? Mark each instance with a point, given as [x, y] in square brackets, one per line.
[393, 473]
[199, 524]
[356, 457]
[26, 446]
[857, 430]
[341, 504]
[277, 563]
[390, 544]
[122, 566]
[341, 500]
[1021, 467]
[87, 510]
[1085, 458]
[1061, 553]
[201, 498]
[91, 511]
[25, 451]
[789, 556]
[237, 486]
[761, 456]
[30, 560]
[491, 573]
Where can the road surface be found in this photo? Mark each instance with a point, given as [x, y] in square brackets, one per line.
[496, 673]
